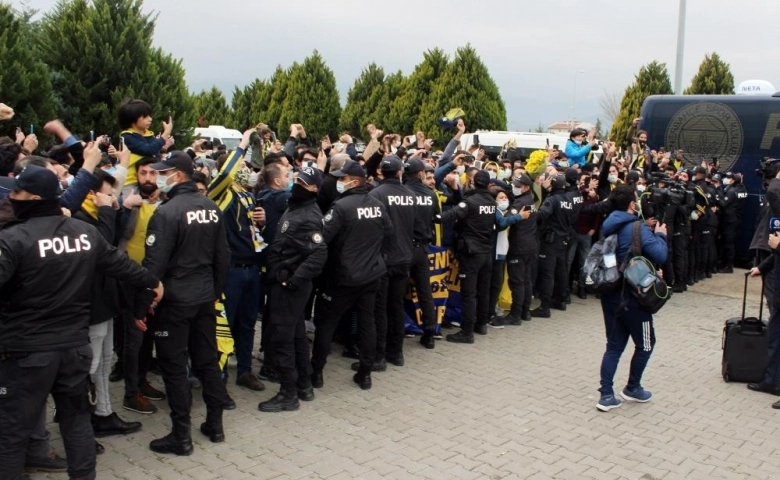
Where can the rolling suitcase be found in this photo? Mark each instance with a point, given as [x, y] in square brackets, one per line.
[745, 345]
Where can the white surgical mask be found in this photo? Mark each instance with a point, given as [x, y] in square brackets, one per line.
[726, 181]
[492, 174]
[516, 191]
[503, 205]
[506, 174]
[612, 178]
[341, 187]
[253, 178]
[162, 184]
[461, 169]
[641, 188]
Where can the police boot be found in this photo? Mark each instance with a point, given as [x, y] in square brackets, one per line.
[212, 427]
[542, 311]
[581, 293]
[363, 377]
[317, 380]
[284, 401]
[461, 337]
[178, 442]
[427, 339]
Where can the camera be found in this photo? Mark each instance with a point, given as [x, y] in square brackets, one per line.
[768, 168]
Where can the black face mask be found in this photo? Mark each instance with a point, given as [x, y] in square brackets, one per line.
[300, 194]
[24, 209]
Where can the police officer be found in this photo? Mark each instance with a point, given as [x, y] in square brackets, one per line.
[523, 249]
[397, 250]
[47, 265]
[475, 226]
[427, 207]
[186, 246]
[734, 196]
[575, 198]
[699, 218]
[295, 257]
[554, 219]
[354, 229]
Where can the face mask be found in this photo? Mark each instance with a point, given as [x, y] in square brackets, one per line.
[300, 193]
[290, 183]
[506, 174]
[726, 181]
[612, 178]
[341, 187]
[492, 174]
[503, 205]
[563, 163]
[578, 142]
[162, 184]
[516, 191]
[111, 171]
[243, 177]
[641, 188]
[461, 169]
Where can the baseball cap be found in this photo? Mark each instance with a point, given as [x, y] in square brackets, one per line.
[391, 164]
[177, 160]
[350, 167]
[38, 181]
[572, 175]
[481, 179]
[523, 180]
[700, 170]
[414, 166]
[558, 182]
[310, 176]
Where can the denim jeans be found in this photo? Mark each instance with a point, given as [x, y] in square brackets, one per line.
[241, 307]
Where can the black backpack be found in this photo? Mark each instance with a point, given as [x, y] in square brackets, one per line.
[648, 288]
[601, 274]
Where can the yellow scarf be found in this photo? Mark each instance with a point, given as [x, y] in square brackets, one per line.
[89, 206]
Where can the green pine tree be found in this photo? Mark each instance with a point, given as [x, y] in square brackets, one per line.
[599, 129]
[466, 84]
[25, 81]
[100, 52]
[361, 100]
[383, 99]
[279, 81]
[406, 109]
[211, 108]
[652, 79]
[713, 78]
[312, 98]
[167, 92]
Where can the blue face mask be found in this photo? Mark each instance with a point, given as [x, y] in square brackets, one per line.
[290, 183]
[111, 171]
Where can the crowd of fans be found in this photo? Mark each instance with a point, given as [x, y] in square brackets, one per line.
[527, 223]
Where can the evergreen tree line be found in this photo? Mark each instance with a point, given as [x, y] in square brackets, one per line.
[82, 58]
[713, 78]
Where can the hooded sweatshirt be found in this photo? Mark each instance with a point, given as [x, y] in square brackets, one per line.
[653, 244]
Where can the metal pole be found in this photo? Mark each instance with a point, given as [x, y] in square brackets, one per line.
[680, 49]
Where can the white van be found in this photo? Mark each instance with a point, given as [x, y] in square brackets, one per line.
[227, 136]
[526, 142]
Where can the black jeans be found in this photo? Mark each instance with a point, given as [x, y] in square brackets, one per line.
[25, 382]
[181, 331]
[520, 283]
[287, 335]
[136, 352]
[420, 272]
[680, 258]
[474, 272]
[389, 313]
[553, 277]
[332, 303]
[728, 235]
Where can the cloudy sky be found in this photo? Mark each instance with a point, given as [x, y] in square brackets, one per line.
[532, 48]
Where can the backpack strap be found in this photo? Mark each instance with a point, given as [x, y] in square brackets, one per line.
[636, 239]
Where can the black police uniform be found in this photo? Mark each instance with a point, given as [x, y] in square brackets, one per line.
[295, 257]
[427, 206]
[397, 250]
[475, 228]
[554, 218]
[696, 247]
[186, 246]
[47, 265]
[523, 249]
[734, 198]
[710, 232]
[354, 230]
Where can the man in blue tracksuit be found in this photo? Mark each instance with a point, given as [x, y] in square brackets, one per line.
[578, 148]
[623, 317]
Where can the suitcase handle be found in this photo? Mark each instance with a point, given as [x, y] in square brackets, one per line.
[744, 301]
